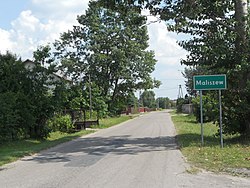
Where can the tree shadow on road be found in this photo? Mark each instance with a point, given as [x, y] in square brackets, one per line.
[88, 150]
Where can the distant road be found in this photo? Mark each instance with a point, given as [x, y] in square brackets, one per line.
[141, 153]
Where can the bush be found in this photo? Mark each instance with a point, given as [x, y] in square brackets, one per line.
[179, 104]
[61, 123]
[25, 100]
[210, 108]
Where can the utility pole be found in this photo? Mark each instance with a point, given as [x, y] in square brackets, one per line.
[180, 93]
[139, 100]
[90, 99]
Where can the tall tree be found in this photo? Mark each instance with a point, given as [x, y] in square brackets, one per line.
[163, 102]
[219, 44]
[148, 99]
[108, 48]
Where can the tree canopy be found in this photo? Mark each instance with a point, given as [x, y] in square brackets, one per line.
[148, 99]
[163, 102]
[219, 43]
[108, 49]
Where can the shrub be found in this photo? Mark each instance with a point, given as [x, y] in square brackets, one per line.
[61, 123]
[209, 106]
[179, 104]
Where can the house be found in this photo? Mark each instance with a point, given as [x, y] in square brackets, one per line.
[52, 78]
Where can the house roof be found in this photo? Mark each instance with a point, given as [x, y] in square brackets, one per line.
[31, 64]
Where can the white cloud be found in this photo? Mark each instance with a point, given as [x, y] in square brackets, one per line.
[163, 42]
[59, 9]
[166, 49]
[168, 55]
[5, 39]
[46, 19]
[60, 3]
[40, 25]
[28, 32]
[26, 20]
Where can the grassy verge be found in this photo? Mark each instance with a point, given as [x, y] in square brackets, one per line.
[109, 122]
[233, 158]
[12, 151]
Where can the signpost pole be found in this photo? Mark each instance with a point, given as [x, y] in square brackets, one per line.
[221, 134]
[201, 119]
[210, 82]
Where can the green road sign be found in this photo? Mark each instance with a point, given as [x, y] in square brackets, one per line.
[210, 82]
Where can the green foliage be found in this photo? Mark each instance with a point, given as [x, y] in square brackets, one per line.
[218, 44]
[8, 117]
[61, 123]
[15, 118]
[179, 104]
[26, 101]
[12, 151]
[111, 121]
[236, 112]
[163, 102]
[42, 55]
[132, 100]
[108, 51]
[148, 99]
[223, 48]
[189, 73]
[234, 155]
[210, 107]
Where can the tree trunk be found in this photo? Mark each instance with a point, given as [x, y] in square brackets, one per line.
[241, 25]
[241, 44]
[115, 89]
[113, 97]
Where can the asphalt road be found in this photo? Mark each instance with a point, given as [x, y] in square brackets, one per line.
[141, 153]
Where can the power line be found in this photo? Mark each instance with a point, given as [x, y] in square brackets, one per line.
[172, 88]
[173, 79]
[166, 89]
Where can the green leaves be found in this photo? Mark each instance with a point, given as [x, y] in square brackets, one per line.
[148, 99]
[110, 46]
[26, 97]
[219, 44]
[163, 102]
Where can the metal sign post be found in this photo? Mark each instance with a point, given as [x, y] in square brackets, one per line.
[201, 119]
[210, 82]
[221, 135]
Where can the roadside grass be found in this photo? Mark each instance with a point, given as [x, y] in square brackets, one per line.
[234, 158]
[109, 122]
[12, 151]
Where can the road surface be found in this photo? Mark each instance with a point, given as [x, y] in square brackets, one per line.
[141, 153]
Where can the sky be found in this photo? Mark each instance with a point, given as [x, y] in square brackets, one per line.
[26, 24]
